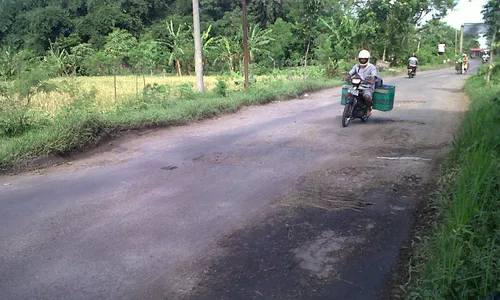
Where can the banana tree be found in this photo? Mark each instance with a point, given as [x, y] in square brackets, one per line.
[178, 45]
[12, 63]
[209, 45]
[258, 41]
[232, 49]
[342, 34]
[230, 52]
[57, 59]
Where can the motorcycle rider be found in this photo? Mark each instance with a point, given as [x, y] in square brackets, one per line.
[485, 57]
[413, 62]
[364, 69]
[460, 60]
[465, 64]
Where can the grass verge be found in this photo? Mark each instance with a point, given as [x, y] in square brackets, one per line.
[461, 258]
[82, 124]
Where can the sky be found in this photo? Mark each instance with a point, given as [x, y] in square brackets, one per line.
[467, 11]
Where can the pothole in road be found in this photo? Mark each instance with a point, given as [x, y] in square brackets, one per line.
[331, 189]
[169, 168]
[409, 103]
[322, 255]
[238, 157]
[417, 150]
[385, 121]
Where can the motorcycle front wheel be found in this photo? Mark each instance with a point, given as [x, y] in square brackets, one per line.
[346, 115]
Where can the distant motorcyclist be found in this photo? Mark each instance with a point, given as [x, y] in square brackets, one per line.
[486, 56]
[465, 62]
[413, 62]
[366, 71]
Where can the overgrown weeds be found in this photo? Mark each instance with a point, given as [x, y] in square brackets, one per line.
[27, 133]
[461, 260]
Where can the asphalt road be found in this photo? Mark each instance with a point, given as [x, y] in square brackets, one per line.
[273, 202]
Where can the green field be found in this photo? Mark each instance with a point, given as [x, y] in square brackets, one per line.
[461, 259]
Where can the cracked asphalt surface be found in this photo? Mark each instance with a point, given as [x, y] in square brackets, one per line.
[273, 202]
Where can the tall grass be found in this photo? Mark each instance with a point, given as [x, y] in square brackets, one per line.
[82, 122]
[462, 258]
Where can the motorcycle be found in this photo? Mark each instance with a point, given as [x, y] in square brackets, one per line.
[412, 70]
[355, 107]
[458, 67]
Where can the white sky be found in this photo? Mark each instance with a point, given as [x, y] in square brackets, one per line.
[467, 11]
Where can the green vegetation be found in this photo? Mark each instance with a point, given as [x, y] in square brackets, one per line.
[26, 133]
[461, 260]
[137, 37]
[57, 58]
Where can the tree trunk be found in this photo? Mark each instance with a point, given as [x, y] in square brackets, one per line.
[383, 55]
[490, 67]
[144, 79]
[198, 47]
[114, 80]
[114, 75]
[179, 70]
[307, 52]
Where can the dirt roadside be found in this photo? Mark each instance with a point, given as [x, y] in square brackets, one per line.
[275, 202]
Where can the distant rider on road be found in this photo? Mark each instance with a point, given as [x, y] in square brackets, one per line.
[465, 64]
[364, 69]
[413, 62]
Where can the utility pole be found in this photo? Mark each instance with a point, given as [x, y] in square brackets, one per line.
[198, 56]
[492, 51]
[461, 39]
[456, 41]
[245, 41]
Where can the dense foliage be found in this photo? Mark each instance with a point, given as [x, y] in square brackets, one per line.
[90, 37]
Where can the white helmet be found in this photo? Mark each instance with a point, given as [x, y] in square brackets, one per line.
[364, 54]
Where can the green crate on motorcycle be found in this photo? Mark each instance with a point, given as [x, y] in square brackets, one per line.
[383, 98]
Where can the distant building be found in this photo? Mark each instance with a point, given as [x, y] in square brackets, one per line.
[441, 49]
[477, 52]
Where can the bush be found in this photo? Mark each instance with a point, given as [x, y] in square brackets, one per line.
[334, 68]
[16, 114]
[427, 56]
[17, 119]
[185, 90]
[221, 89]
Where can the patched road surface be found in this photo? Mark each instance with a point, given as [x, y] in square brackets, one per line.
[273, 202]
